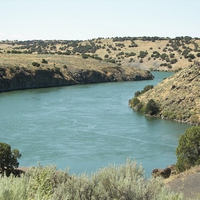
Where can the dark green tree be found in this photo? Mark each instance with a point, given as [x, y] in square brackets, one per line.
[146, 88]
[8, 158]
[35, 64]
[134, 101]
[188, 150]
[142, 54]
[44, 61]
[85, 56]
[152, 108]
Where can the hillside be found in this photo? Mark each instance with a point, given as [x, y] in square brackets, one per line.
[178, 96]
[152, 53]
[22, 71]
[186, 183]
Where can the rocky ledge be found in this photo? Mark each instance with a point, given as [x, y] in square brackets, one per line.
[24, 78]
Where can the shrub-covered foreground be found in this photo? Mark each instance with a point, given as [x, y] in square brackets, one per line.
[124, 182]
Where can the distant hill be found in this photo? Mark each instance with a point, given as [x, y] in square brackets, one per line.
[178, 96]
[152, 53]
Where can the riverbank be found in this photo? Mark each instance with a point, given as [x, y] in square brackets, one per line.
[19, 72]
[176, 96]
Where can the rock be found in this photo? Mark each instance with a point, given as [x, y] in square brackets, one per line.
[165, 173]
[23, 78]
[173, 169]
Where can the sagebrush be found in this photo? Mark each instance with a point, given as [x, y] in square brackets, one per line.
[121, 182]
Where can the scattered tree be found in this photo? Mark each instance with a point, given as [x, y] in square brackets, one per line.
[142, 54]
[35, 64]
[85, 56]
[152, 108]
[188, 150]
[44, 61]
[8, 158]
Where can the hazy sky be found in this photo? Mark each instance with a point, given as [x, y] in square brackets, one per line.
[87, 19]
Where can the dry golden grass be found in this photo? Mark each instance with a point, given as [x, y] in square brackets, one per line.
[147, 63]
[178, 96]
[25, 60]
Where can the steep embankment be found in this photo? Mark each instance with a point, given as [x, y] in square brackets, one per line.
[178, 96]
[57, 73]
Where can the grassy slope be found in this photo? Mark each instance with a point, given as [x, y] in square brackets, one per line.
[59, 61]
[178, 95]
[113, 48]
[25, 60]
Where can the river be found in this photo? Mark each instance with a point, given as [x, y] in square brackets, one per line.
[86, 127]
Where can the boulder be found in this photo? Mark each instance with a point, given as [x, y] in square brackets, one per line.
[165, 173]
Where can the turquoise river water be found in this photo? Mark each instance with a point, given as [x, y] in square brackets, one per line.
[86, 127]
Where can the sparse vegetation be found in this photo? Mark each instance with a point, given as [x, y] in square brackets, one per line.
[146, 88]
[142, 54]
[179, 51]
[177, 100]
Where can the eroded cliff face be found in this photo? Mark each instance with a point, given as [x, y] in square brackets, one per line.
[24, 78]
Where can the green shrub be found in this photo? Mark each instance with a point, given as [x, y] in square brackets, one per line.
[125, 181]
[134, 101]
[145, 89]
[198, 54]
[120, 53]
[188, 150]
[155, 54]
[96, 57]
[137, 93]
[44, 61]
[65, 66]
[152, 108]
[35, 64]
[140, 107]
[142, 54]
[85, 56]
[173, 61]
[115, 182]
[169, 66]
[191, 56]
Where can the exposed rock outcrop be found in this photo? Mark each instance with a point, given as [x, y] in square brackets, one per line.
[165, 173]
[23, 78]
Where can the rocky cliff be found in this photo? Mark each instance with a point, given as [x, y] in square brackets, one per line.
[24, 78]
